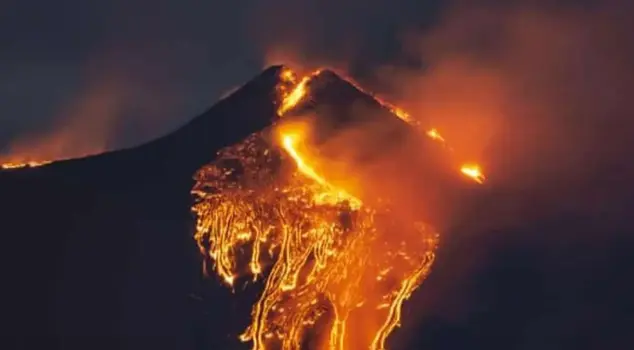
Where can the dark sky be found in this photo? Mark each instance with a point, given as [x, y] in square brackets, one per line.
[105, 74]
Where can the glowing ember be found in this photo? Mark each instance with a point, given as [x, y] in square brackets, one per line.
[474, 172]
[434, 134]
[336, 271]
[31, 164]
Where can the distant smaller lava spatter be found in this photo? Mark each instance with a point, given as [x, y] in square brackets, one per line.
[20, 165]
[328, 261]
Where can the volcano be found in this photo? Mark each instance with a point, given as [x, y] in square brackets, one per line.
[100, 249]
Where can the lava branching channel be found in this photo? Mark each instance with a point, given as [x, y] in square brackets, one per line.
[336, 269]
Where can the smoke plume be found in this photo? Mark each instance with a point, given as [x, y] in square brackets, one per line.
[537, 92]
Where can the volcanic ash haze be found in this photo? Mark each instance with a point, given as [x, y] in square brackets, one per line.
[338, 250]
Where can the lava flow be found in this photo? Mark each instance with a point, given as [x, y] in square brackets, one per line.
[336, 271]
[16, 165]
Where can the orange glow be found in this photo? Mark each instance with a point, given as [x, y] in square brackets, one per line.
[31, 164]
[434, 134]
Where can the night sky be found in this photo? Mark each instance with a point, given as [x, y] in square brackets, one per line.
[116, 73]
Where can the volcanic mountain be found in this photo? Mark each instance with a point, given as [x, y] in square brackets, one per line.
[99, 250]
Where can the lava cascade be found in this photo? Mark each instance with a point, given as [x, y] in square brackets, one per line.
[327, 260]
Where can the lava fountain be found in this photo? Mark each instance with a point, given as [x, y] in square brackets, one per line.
[336, 270]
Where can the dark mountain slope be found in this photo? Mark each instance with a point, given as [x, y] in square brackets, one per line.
[99, 249]
[98, 253]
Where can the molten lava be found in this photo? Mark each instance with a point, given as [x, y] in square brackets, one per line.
[298, 92]
[335, 271]
[289, 140]
[435, 135]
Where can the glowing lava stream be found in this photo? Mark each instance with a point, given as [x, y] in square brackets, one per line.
[299, 91]
[289, 142]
